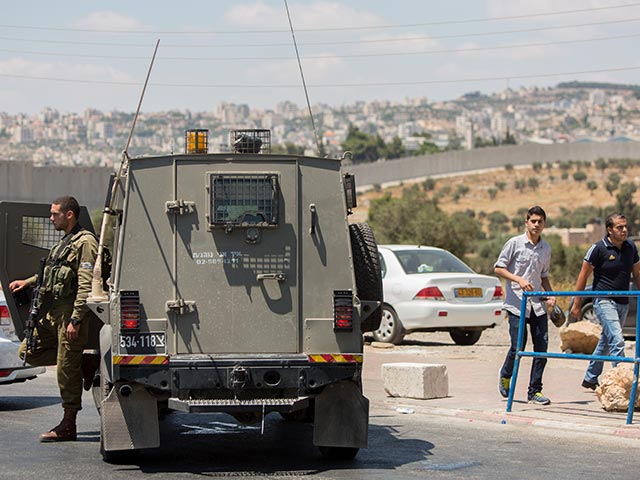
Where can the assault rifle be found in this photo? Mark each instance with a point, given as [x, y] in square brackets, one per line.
[34, 313]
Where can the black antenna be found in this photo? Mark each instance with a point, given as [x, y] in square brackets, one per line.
[144, 88]
[97, 291]
[304, 84]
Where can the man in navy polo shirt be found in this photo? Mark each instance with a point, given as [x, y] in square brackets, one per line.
[612, 260]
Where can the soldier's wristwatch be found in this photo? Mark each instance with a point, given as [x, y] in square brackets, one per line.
[75, 322]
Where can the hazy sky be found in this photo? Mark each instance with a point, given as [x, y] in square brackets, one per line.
[71, 54]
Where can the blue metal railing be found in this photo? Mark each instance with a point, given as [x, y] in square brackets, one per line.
[577, 356]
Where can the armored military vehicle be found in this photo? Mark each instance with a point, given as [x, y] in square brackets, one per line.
[238, 286]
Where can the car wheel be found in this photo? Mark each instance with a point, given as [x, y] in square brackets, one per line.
[587, 313]
[390, 330]
[366, 263]
[465, 337]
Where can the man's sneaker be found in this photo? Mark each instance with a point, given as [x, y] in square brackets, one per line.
[503, 386]
[589, 385]
[539, 399]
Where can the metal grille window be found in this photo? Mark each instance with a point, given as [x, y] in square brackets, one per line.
[243, 200]
[39, 232]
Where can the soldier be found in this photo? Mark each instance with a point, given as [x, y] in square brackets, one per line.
[63, 327]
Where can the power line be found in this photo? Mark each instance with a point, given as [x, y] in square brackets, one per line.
[317, 57]
[330, 29]
[331, 85]
[336, 42]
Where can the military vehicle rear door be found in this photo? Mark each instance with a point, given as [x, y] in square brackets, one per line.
[26, 235]
[239, 265]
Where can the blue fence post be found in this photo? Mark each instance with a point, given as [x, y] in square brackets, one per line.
[634, 385]
[516, 364]
[604, 358]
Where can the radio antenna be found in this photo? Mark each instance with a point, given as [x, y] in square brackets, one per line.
[97, 289]
[144, 88]
[304, 84]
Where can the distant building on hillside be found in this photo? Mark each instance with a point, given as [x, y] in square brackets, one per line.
[578, 236]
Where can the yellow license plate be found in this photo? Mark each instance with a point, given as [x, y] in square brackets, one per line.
[468, 292]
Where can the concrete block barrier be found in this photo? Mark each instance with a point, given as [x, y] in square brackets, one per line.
[415, 380]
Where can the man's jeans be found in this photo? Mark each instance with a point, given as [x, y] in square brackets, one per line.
[612, 316]
[540, 336]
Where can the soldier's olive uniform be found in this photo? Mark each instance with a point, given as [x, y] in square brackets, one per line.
[65, 287]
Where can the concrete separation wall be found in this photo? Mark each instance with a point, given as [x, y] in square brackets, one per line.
[382, 172]
[24, 182]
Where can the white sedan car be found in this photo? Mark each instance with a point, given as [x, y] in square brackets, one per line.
[11, 368]
[428, 289]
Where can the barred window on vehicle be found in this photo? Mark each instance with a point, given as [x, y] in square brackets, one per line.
[243, 200]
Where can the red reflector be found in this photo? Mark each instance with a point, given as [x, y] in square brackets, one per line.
[5, 373]
[429, 293]
[129, 309]
[443, 314]
[343, 310]
[4, 315]
[497, 313]
[497, 293]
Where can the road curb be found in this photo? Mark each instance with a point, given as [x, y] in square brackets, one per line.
[507, 418]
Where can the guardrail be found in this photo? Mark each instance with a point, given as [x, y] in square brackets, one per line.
[578, 356]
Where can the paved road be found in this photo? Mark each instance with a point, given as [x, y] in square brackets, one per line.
[418, 445]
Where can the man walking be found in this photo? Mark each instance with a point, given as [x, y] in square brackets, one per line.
[612, 261]
[524, 263]
[62, 331]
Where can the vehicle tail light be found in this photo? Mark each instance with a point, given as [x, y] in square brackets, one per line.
[342, 310]
[429, 293]
[129, 309]
[497, 293]
[5, 318]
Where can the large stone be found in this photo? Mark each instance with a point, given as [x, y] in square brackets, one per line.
[580, 337]
[415, 380]
[615, 389]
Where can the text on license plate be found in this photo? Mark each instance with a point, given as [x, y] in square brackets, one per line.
[468, 292]
[143, 343]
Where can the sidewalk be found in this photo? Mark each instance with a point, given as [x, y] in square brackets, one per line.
[473, 388]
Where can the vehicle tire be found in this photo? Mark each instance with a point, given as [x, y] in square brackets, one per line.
[588, 314]
[465, 337]
[100, 390]
[366, 264]
[339, 453]
[390, 329]
[116, 456]
[304, 415]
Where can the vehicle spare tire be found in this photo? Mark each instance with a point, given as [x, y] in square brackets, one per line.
[366, 264]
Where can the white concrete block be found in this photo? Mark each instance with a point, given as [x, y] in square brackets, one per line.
[415, 380]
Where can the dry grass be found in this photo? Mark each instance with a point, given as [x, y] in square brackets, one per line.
[552, 193]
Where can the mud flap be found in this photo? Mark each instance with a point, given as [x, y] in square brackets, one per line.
[129, 421]
[341, 417]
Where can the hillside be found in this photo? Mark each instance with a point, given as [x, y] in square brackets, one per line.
[552, 193]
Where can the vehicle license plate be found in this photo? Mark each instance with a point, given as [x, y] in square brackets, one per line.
[468, 292]
[143, 343]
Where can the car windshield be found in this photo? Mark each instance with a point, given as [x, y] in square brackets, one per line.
[431, 261]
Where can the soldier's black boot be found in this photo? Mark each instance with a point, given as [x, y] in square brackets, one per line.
[90, 363]
[65, 431]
